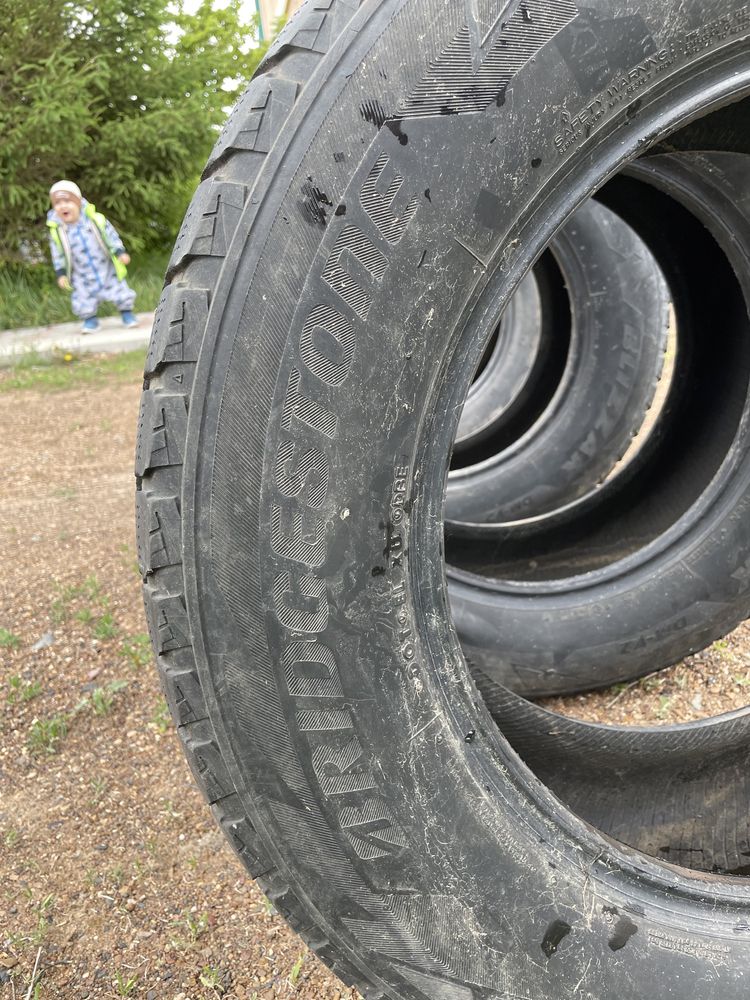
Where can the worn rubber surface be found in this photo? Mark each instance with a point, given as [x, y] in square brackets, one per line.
[511, 372]
[675, 792]
[619, 303]
[652, 568]
[289, 494]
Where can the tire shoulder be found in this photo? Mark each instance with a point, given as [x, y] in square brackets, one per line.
[179, 326]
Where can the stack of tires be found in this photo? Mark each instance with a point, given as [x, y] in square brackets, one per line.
[447, 408]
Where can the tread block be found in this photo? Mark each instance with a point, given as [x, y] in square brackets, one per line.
[178, 327]
[183, 691]
[168, 623]
[210, 222]
[243, 839]
[256, 118]
[161, 430]
[206, 761]
[158, 531]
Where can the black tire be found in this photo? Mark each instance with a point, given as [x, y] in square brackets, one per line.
[677, 793]
[326, 711]
[619, 303]
[649, 570]
[511, 372]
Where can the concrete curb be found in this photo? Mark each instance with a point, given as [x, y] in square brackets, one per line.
[46, 341]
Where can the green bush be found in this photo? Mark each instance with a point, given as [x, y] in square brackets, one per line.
[125, 97]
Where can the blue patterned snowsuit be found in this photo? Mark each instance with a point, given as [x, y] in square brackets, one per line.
[89, 264]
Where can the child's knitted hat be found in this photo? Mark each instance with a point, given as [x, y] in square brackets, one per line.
[68, 186]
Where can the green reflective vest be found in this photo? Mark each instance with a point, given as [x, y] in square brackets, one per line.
[59, 236]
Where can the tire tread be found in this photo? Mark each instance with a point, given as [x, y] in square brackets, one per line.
[179, 324]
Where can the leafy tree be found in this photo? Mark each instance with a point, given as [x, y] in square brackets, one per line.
[125, 98]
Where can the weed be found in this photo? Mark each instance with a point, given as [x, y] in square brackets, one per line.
[137, 649]
[169, 810]
[58, 611]
[296, 970]
[161, 719]
[105, 628]
[103, 698]
[125, 985]
[43, 919]
[19, 690]
[89, 590]
[11, 838]
[8, 640]
[65, 493]
[664, 702]
[650, 683]
[197, 925]
[45, 734]
[98, 787]
[211, 979]
[92, 878]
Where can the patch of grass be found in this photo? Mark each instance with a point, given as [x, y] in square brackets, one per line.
[664, 702]
[103, 698]
[125, 985]
[45, 734]
[169, 810]
[98, 788]
[49, 374]
[211, 979]
[137, 650]
[296, 970]
[11, 838]
[196, 924]
[90, 590]
[650, 683]
[22, 691]
[29, 295]
[117, 875]
[161, 720]
[8, 640]
[43, 919]
[65, 493]
[105, 627]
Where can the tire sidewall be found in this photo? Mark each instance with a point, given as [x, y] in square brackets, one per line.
[436, 801]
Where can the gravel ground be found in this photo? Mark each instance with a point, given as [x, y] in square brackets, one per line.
[113, 872]
[114, 880]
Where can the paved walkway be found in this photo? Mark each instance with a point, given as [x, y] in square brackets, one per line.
[110, 338]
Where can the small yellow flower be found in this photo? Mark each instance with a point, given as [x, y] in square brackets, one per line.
[67, 357]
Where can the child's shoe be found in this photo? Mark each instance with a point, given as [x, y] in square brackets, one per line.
[129, 318]
[90, 324]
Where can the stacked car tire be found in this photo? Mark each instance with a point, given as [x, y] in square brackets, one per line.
[447, 408]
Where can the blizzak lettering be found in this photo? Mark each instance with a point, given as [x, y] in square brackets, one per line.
[347, 282]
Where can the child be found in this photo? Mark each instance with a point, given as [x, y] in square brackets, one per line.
[88, 256]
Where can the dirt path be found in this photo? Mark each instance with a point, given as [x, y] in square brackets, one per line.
[113, 873]
[112, 868]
